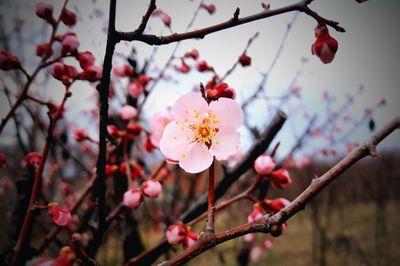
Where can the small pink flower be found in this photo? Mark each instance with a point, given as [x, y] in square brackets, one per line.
[69, 44]
[158, 122]
[68, 17]
[175, 233]
[190, 238]
[245, 60]
[59, 215]
[257, 213]
[152, 188]
[135, 89]
[276, 205]
[210, 8]
[264, 165]
[201, 131]
[280, 178]
[85, 59]
[128, 112]
[325, 47]
[132, 198]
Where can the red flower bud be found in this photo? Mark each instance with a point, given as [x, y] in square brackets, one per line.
[8, 61]
[175, 233]
[220, 90]
[91, 73]
[276, 205]
[264, 165]
[80, 134]
[257, 213]
[193, 54]
[190, 238]
[45, 11]
[245, 60]
[59, 215]
[280, 178]
[202, 66]
[148, 145]
[325, 47]
[42, 49]
[68, 17]
[69, 44]
[210, 8]
[85, 59]
[114, 131]
[33, 159]
[123, 71]
[184, 68]
[134, 129]
[111, 169]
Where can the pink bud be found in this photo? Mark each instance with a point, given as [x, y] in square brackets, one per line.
[42, 49]
[91, 73]
[59, 215]
[68, 17]
[85, 59]
[176, 233]
[193, 54]
[79, 134]
[135, 89]
[8, 61]
[264, 165]
[69, 44]
[210, 8]
[255, 254]
[325, 47]
[268, 244]
[257, 213]
[190, 238]
[220, 90]
[3, 160]
[128, 112]
[280, 178]
[249, 237]
[132, 198]
[245, 60]
[166, 19]
[44, 11]
[184, 68]
[33, 159]
[114, 131]
[202, 66]
[152, 188]
[276, 205]
[123, 71]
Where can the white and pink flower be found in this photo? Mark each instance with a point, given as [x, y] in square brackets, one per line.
[264, 165]
[201, 131]
[133, 198]
[152, 188]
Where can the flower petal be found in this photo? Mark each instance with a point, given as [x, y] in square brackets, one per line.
[190, 108]
[225, 143]
[196, 159]
[175, 140]
[228, 113]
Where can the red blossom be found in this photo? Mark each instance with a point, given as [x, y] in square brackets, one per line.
[280, 178]
[264, 165]
[68, 17]
[220, 90]
[134, 129]
[176, 233]
[69, 44]
[203, 66]
[91, 73]
[257, 213]
[33, 159]
[85, 59]
[43, 48]
[80, 134]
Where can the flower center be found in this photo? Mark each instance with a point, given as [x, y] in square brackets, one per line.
[204, 131]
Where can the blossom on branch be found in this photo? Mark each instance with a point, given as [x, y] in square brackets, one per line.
[325, 47]
[201, 131]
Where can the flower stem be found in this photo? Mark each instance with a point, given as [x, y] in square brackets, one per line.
[211, 206]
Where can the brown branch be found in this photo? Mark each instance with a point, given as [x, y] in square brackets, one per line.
[145, 18]
[317, 185]
[233, 22]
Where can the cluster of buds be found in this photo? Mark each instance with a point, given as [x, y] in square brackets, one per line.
[265, 165]
[150, 188]
[45, 12]
[179, 233]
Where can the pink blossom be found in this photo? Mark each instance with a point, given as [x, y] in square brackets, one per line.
[132, 198]
[166, 19]
[59, 215]
[194, 53]
[128, 112]
[268, 244]
[152, 188]
[220, 90]
[69, 44]
[175, 233]
[325, 47]
[158, 121]
[280, 178]
[135, 89]
[264, 165]
[44, 11]
[68, 17]
[91, 73]
[201, 131]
